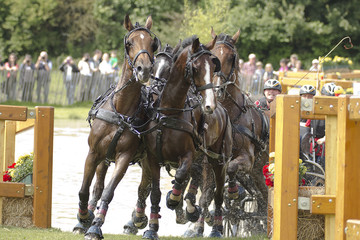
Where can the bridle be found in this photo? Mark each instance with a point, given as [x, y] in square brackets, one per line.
[189, 69]
[231, 73]
[142, 51]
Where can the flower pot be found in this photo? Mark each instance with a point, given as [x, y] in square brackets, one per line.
[28, 179]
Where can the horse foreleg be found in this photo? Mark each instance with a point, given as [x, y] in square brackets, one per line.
[139, 219]
[217, 229]
[155, 198]
[99, 185]
[84, 216]
[174, 196]
[121, 165]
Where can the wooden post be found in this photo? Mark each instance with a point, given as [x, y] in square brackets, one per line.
[10, 131]
[2, 161]
[330, 176]
[348, 165]
[287, 167]
[43, 161]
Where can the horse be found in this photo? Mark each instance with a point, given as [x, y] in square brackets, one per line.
[250, 125]
[114, 133]
[179, 129]
[161, 72]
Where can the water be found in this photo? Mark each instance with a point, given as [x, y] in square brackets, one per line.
[70, 150]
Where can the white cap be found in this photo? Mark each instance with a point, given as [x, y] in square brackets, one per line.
[252, 55]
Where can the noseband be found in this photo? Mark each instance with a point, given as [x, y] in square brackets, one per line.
[189, 70]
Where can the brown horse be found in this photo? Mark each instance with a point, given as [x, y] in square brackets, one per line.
[179, 128]
[113, 136]
[250, 125]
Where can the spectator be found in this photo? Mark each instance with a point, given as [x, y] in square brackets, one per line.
[249, 70]
[70, 76]
[114, 61]
[298, 66]
[258, 77]
[269, 72]
[43, 66]
[314, 65]
[292, 64]
[272, 88]
[107, 72]
[85, 78]
[283, 65]
[27, 80]
[11, 69]
[241, 65]
[95, 85]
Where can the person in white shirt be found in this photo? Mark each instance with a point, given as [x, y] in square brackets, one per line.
[107, 73]
[85, 78]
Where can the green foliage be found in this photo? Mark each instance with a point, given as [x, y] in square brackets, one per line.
[199, 20]
[271, 29]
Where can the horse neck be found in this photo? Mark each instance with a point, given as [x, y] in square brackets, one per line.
[127, 100]
[233, 93]
[176, 88]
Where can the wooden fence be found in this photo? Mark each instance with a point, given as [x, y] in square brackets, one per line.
[14, 119]
[341, 201]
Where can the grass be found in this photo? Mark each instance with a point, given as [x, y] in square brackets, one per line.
[14, 233]
[75, 111]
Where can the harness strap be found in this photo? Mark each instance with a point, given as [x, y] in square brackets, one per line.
[159, 146]
[110, 154]
[244, 130]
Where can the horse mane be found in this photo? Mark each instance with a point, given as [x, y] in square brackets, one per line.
[168, 49]
[185, 43]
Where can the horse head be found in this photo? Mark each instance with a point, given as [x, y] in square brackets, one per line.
[163, 63]
[201, 66]
[225, 50]
[140, 45]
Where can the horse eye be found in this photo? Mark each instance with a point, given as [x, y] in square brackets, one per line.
[128, 44]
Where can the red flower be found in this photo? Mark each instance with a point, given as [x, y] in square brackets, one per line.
[268, 182]
[265, 169]
[6, 178]
[12, 166]
[303, 182]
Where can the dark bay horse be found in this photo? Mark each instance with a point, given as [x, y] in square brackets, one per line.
[161, 72]
[180, 129]
[250, 125]
[114, 136]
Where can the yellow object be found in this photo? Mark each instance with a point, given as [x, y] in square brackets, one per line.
[339, 90]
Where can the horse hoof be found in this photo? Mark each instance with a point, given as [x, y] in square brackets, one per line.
[150, 234]
[130, 228]
[215, 234]
[171, 204]
[79, 229]
[141, 222]
[194, 216]
[94, 233]
[192, 234]
[181, 220]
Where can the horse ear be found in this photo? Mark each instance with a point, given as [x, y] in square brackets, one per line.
[148, 23]
[127, 23]
[213, 34]
[236, 36]
[211, 44]
[195, 45]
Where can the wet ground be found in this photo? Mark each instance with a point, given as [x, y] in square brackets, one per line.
[70, 150]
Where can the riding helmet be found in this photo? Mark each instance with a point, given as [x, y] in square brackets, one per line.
[307, 89]
[328, 89]
[272, 84]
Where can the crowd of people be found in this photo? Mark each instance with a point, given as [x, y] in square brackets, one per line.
[254, 74]
[83, 81]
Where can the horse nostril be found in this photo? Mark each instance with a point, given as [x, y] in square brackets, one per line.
[139, 68]
[208, 108]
